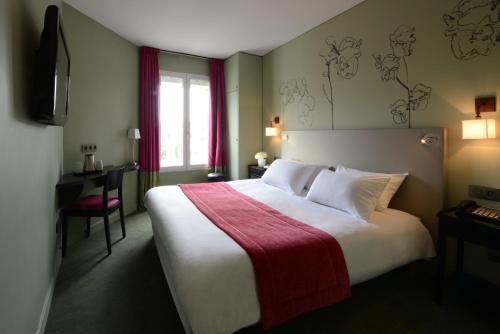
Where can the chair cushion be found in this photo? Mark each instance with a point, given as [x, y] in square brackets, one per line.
[92, 203]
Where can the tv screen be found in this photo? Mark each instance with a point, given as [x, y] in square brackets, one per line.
[50, 98]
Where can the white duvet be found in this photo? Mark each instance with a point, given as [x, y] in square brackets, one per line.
[211, 277]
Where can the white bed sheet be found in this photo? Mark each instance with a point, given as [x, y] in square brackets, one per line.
[211, 277]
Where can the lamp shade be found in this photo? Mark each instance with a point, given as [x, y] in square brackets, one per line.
[478, 129]
[133, 134]
[271, 132]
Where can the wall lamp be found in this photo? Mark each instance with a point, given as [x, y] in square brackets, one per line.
[429, 139]
[272, 131]
[480, 128]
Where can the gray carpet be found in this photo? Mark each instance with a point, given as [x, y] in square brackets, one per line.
[127, 293]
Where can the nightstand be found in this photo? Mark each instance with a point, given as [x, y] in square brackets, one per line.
[255, 172]
[464, 229]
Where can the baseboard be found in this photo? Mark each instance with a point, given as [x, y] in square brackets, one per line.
[44, 315]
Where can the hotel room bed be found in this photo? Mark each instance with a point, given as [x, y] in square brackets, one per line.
[211, 277]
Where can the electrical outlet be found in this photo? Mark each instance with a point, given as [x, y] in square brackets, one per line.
[88, 148]
[491, 194]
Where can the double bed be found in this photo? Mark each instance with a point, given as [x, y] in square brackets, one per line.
[210, 275]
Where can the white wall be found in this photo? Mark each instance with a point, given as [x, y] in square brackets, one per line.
[31, 163]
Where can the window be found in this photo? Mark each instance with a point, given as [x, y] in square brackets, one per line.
[184, 113]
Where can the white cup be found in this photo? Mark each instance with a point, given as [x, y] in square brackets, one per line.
[99, 165]
[78, 167]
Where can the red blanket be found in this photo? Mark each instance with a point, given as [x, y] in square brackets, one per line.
[298, 268]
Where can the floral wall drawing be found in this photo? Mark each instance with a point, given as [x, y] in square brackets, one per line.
[296, 93]
[474, 28]
[393, 67]
[341, 60]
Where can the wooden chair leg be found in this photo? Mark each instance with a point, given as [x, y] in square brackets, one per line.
[106, 230]
[122, 220]
[87, 231]
[64, 234]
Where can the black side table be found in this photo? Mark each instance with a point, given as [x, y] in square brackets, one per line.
[255, 172]
[464, 229]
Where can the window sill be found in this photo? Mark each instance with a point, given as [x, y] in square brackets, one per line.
[183, 169]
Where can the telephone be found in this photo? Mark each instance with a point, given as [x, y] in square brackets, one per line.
[471, 209]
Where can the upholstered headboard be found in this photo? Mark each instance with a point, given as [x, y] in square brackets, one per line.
[383, 150]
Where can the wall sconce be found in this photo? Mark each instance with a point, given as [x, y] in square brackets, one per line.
[480, 128]
[429, 139]
[285, 137]
[272, 131]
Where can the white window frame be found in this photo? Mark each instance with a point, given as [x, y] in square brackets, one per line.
[186, 80]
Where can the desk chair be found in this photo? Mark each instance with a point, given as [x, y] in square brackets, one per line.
[97, 206]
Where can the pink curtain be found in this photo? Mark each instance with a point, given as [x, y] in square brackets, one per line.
[217, 123]
[149, 149]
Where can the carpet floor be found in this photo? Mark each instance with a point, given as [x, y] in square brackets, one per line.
[127, 293]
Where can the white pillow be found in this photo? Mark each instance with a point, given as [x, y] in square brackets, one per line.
[356, 195]
[288, 175]
[390, 189]
[316, 170]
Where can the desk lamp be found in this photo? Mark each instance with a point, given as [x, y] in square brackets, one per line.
[133, 134]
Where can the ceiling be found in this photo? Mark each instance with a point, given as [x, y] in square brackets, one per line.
[211, 28]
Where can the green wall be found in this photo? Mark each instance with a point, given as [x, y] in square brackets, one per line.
[191, 65]
[31, 166]
[190, 176]
[243, 79]
[104, 100]
[364, 100]
[250, 105]
[231, 80]
[184, 64]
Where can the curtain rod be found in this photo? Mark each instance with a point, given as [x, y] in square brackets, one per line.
[183, 54]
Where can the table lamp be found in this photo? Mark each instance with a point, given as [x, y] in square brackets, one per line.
[133, 134]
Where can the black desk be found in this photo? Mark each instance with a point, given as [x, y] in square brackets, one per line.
[464, 229]
[70, 185]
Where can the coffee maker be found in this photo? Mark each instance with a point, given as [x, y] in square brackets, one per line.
[89, 163]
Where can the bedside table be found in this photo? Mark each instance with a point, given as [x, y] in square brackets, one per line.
[464, 229]
[255, 172]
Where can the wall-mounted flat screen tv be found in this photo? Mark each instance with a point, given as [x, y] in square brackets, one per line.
[50, 96]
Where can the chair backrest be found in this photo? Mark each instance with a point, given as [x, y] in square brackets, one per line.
[114, 178]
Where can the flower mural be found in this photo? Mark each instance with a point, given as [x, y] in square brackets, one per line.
[388, 66]
[399, 111]
[474, 28]
[341, 60]
[295, 92]
[402, 40]
[393, 67]
[419, 97]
